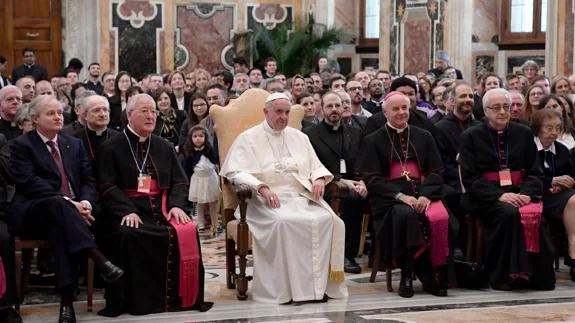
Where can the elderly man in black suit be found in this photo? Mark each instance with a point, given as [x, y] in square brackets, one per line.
[55, 190]
[337, 146]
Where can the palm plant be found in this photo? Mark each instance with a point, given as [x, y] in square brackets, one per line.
[295, 52]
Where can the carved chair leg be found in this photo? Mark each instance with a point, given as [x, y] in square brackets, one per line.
[376, 259]
[241, 278]
[90, 277]
[25, 273]
[362, 237]
[230, 263]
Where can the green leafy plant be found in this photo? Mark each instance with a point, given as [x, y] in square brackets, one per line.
[296, 52]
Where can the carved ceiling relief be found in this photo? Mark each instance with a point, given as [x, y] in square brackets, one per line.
[137, 12]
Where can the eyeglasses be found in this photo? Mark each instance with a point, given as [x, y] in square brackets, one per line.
[148, 111]
[199, 105]
[497, 107]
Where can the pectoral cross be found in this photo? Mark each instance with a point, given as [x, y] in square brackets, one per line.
[405, 174]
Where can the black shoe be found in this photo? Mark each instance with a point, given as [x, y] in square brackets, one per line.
[572, 273]
[435, 291]
[351, 267]
[405, 285]
[504, 287]
[67, 314]
[110, 272]
[9, 315]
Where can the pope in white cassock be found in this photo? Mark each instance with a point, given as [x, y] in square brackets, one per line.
[298, 241]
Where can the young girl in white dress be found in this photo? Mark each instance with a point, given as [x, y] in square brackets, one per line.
[200, 163]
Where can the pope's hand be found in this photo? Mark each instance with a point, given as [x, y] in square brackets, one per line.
[318, 189]
[270, 197]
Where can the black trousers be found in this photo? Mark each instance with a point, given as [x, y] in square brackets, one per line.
[351, 215]
[59, 222]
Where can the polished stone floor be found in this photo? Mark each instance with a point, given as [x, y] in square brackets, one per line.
[368, 302]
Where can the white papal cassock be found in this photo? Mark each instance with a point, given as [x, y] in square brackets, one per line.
[298, 248]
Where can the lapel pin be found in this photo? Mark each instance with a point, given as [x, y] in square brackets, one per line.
[67, 146]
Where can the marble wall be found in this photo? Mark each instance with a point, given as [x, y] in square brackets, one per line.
[568, 38]
[417, 32]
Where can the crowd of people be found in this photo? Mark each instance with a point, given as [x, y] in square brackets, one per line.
[124, 171]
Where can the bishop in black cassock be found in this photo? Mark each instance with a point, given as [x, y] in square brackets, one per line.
[403, 173]
[140, 181]
[503, 182]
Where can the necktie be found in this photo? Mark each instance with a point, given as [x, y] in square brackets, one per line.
[64, 184]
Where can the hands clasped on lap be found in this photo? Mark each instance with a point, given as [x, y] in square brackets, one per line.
[132, 220]
[419, 204]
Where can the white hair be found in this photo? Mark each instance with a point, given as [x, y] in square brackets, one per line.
[39, 101]
[7, 89]
[138, 97]
[83, 98]
[518, 94]
[497, 91]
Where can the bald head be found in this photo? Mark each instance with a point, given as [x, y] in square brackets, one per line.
[44, 88]
[396, 109]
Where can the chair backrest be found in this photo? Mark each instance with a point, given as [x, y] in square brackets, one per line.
[239, 115]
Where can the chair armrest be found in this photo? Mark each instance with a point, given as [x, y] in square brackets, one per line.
[338, 190]
[242, 191]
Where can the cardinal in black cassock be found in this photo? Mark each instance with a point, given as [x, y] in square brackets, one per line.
[139, 174]
[503, 182]
[402, 170]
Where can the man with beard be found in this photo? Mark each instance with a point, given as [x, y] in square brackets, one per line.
[337, 147]
[355, 91]
[93, 81]
[27, 85]
[241, 83]
[416, 118]
[317, 82]
[375, 101]
[402, 169]
[348, 118]
[452, 126]
[449, 131]
[503, 183]
[255, 75]
[518, 107]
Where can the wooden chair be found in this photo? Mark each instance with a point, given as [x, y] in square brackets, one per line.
[230, 121]
[377, 262]
[24, 253]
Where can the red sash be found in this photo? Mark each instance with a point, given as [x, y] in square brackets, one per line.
[436, 213]
[530, 213]
[188, 247]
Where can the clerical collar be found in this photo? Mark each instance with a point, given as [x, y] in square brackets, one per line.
[29, 66]
[269, 129]
[140, 138]
[330, 128]
[540, 146]
[499, 132]
[97, 132]
[10, 123]
[396, 129]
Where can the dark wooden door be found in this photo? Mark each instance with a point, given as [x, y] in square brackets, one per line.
[32, 23]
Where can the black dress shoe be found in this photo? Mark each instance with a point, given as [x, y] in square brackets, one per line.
[572, 273]
[110, 272]
[434, 290]
[67, 314]
[351, 267]
[406, 285]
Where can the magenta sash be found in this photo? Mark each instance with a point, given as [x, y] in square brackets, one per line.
[439, 222]
[395, 171]
[516, 177]
[436, 213]
[188, 248]
[530, 213]
[531, 219]
[3, 284]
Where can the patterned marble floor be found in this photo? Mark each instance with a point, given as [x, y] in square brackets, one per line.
[368, 302]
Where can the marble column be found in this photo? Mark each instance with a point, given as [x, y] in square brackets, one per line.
[553, 37]
[459, 32]
[385, 14]
[80, 32]
[324, 12]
